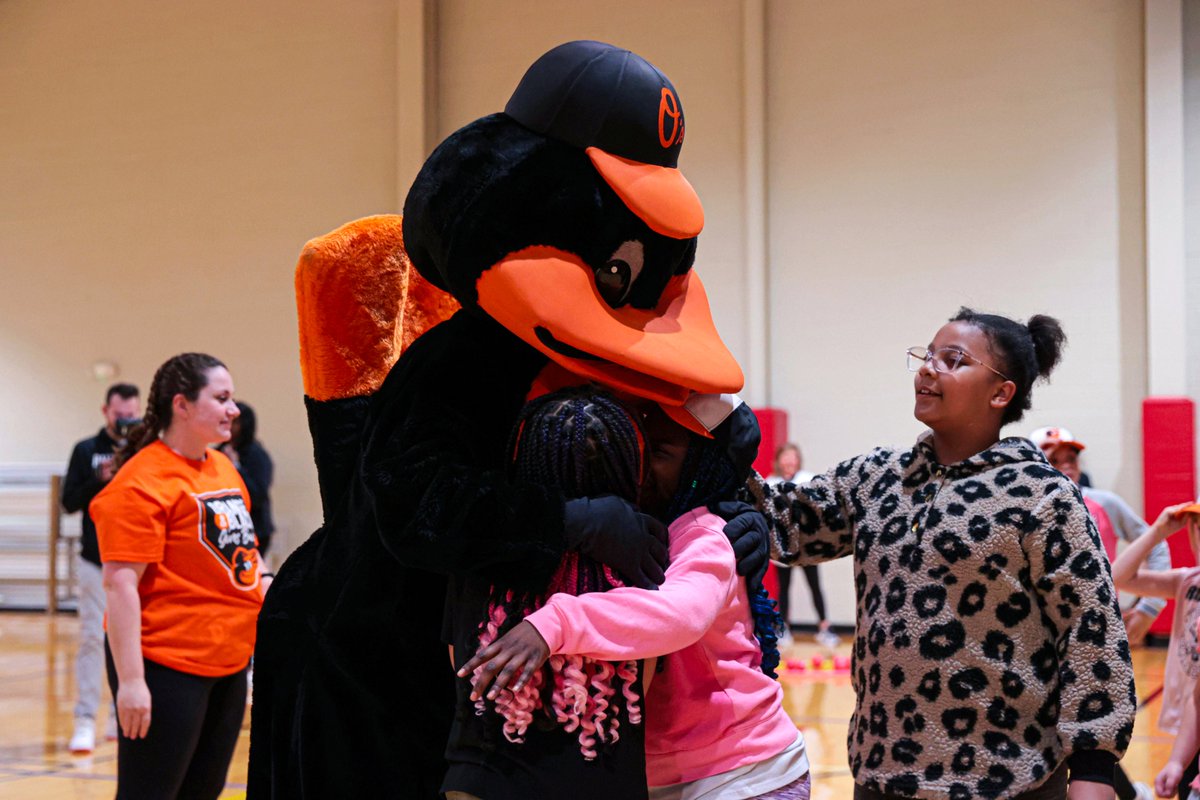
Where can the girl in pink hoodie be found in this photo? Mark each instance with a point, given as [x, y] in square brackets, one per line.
[715, 725]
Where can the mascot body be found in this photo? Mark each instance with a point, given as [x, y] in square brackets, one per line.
[567, 234]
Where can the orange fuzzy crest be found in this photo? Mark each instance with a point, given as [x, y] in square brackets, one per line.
[360, 303]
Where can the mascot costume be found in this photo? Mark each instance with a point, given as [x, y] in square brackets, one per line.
[565, 232]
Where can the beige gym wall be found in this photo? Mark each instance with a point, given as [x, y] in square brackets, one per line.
[165, 163]
[928, 154]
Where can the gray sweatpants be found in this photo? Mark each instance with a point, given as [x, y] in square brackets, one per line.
[89, 663]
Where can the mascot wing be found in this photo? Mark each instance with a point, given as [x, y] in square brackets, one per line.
[360, 303]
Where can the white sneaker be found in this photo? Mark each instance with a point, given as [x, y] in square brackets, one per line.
[1142, 791]
[828, 638]
[110, 727]
[84, 738]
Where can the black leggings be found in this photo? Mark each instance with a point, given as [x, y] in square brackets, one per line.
[194, 726]
[814, 588]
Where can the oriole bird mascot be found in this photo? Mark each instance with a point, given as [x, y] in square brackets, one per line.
[566, 233]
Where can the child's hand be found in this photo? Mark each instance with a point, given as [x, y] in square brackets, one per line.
[1193, 520]
[520, 653]
[1169, 520]
[1168, 779]
[1137, 625]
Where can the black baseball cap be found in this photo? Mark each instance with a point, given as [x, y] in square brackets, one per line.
[626, 114]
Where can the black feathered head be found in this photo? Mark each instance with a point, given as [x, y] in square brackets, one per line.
[566, 219]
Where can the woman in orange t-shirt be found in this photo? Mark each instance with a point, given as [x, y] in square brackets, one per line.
[184, 586]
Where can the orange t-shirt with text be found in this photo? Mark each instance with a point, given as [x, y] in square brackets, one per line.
[189, 522]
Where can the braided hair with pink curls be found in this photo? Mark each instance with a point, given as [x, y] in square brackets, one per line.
[586, 444]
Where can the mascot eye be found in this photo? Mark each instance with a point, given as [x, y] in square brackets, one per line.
[616, 276]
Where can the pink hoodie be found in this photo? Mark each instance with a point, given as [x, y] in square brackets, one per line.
[711, 709]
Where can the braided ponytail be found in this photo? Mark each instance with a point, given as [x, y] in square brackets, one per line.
[185, 374]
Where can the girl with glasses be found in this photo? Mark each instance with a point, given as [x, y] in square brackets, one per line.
[989, 659]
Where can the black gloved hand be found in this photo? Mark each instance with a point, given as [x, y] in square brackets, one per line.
[611, 531]
[748, 533]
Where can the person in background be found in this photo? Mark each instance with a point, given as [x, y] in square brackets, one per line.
[91, 467]
[1132, 572]
[1114, 520]
[184, 586]
[257, 470]
[788, 463]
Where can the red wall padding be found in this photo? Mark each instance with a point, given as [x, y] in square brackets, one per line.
[773, 422]
[1169, 474]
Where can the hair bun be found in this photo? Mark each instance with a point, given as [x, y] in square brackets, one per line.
[1048, 341]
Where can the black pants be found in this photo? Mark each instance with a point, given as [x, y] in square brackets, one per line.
[1055, 788]
[814, 588]
[1189, 775]
[1123, 786]
[194, 726]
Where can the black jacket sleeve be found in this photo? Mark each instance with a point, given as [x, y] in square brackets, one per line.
[80, 484]
[433, 468]
[257, 472]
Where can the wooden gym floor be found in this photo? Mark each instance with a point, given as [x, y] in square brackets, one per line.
[37, 663]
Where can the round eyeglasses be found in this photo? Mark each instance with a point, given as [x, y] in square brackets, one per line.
[946, 359]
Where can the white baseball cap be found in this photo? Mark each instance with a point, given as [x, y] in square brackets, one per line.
[1050, 438]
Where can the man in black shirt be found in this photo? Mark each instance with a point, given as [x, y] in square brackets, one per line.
[92, 467]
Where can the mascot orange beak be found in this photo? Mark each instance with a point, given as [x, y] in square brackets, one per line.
[548, 298]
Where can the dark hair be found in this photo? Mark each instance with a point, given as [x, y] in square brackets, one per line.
[1026, 351]
[580, 441]
[185, 374]
[708, 475]
[122, 390]
[247, 426]
[584, 443]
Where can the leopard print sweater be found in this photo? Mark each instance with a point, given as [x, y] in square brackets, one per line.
[989, 644]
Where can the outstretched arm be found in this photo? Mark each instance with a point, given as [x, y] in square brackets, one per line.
[1129, 571]
[1130, 527]
[813, 521]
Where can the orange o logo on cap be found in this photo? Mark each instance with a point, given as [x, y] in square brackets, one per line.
[668, 107]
